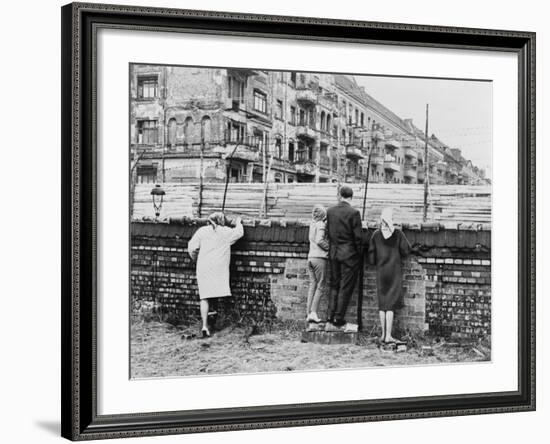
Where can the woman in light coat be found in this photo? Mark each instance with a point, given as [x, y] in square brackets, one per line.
[317, 261]
[211, 246]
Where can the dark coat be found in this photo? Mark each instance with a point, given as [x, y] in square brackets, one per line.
[387, 255]
[345, 233]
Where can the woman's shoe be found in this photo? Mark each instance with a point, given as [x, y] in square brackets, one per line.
[314, 319]
[205, 333]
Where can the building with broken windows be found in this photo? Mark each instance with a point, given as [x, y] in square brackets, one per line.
[249, 125]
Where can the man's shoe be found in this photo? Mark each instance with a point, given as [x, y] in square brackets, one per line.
[330, 327]
[350, 328]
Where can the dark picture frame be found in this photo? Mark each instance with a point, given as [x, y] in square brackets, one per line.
[80, 22]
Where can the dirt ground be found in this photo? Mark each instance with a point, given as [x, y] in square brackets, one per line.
[160, 350]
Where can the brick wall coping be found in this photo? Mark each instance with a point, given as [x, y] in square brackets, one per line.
[430, 235]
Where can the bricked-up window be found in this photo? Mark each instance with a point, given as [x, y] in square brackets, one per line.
[303, 119]
[279, 109]
[188, 132]
[235, 89]
[278, 148]
[206, 129]
[147, 133]
[172, 130]
[293, 115]
[148, 87]
[260, 101]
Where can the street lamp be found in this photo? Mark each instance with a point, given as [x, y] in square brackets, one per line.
[157, 196]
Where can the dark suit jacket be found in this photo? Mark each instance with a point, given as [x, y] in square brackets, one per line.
[345, 232]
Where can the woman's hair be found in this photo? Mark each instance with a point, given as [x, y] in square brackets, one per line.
[319, 213]
[217, 218]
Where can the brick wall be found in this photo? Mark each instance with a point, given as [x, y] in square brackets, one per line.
[448, 288]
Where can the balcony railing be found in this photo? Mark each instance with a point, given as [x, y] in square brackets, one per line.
[306, 96]
[376, 159]
[306, 131]
[239, 151]
[452, 171]
[392, 143]
[283, 163]
[354, 152]
[305, 167]
[324, 162]
[234, 104]
[410, 152]
[325, 137]
[391, 164]
[410, 171]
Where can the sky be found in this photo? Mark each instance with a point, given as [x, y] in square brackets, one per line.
[460, 111]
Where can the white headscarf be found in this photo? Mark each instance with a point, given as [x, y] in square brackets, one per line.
[386, 222]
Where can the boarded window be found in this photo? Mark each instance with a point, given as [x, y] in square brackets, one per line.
[188, 131]
[206, 129]
[278, 148]
[172, 130]
[147, 133]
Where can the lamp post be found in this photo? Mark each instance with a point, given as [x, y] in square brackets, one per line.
[157, 196]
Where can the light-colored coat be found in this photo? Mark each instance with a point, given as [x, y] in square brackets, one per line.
[318, 243]
[213, 246]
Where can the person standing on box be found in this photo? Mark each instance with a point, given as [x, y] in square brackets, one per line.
[388, 247]
[211, 247]
[317, 259]
[345, 234]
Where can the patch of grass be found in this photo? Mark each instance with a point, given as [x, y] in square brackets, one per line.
[160, 349]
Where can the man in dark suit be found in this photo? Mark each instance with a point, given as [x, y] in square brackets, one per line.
[345, 236]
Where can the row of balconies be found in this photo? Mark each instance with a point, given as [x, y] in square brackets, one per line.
[250, 152]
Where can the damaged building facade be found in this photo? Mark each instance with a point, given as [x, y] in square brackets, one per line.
[249, 125]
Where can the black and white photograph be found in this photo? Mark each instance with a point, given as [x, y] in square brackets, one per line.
[287, 221]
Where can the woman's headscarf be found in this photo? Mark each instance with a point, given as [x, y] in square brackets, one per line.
[319, 213]
[217, 218]
[386, 222]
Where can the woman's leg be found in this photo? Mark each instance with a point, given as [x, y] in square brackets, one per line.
[382, 315]
[312, 286]
[389, 326]
[321, 277]
[204, 313]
